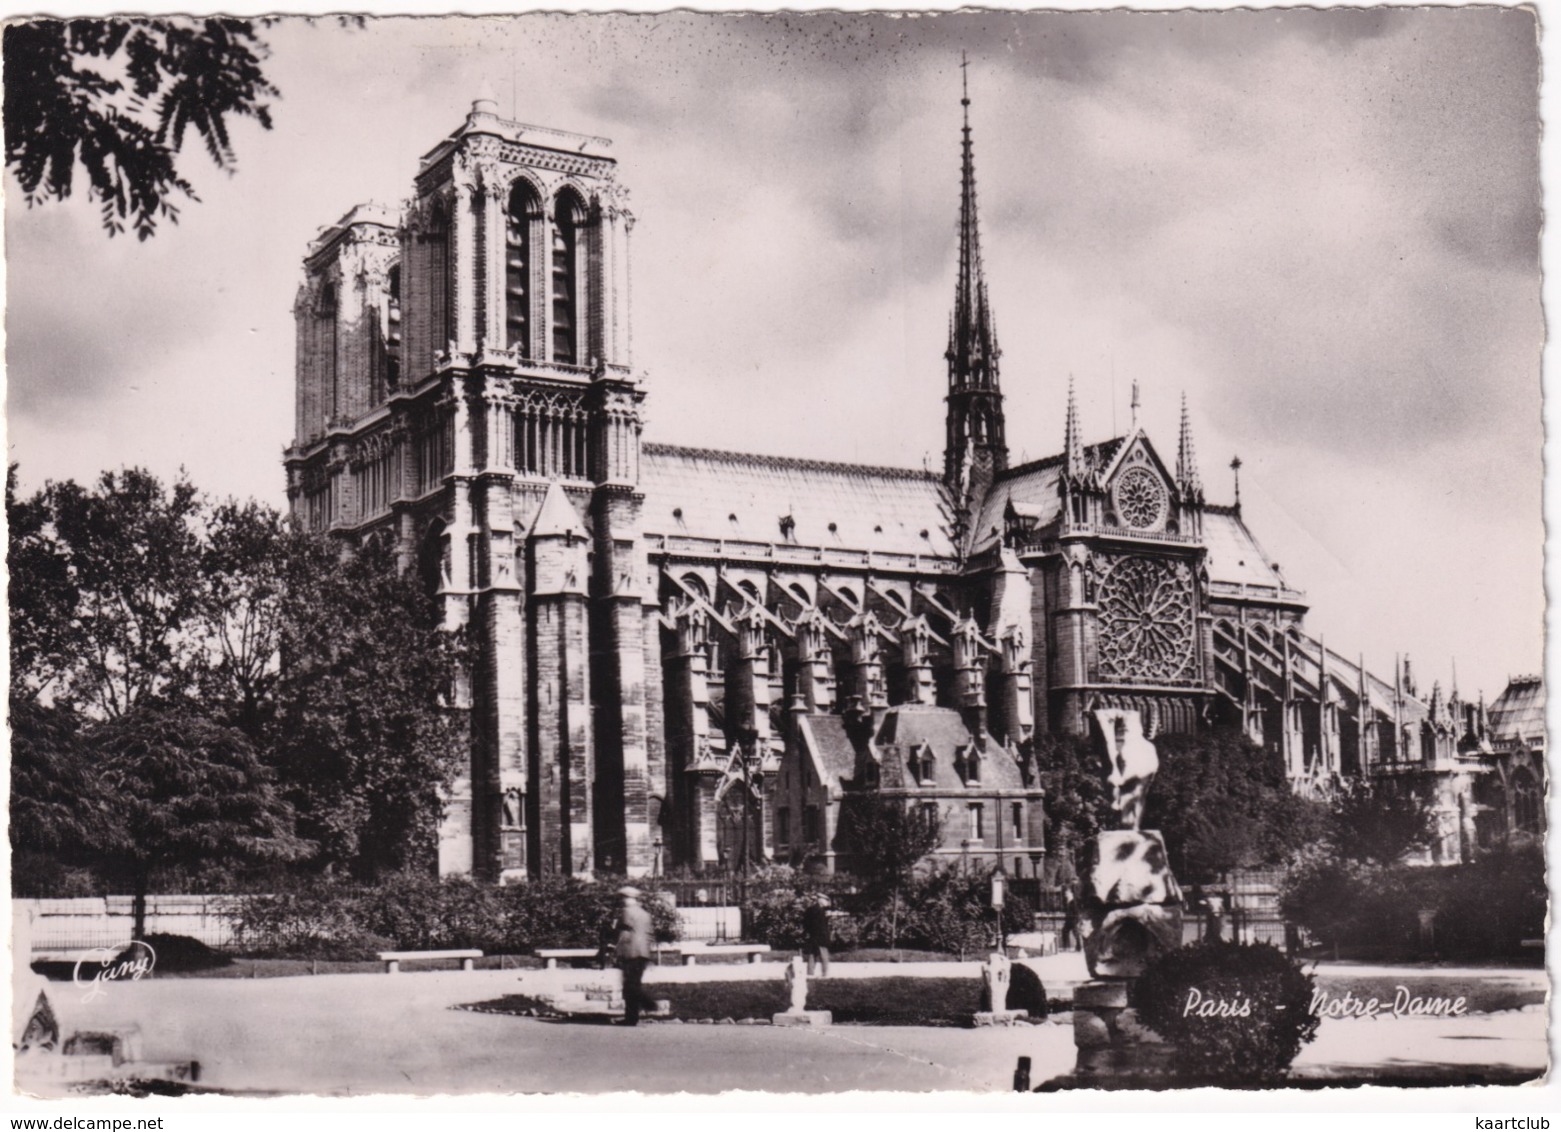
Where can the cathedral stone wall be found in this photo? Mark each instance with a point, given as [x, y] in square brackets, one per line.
[680, 655]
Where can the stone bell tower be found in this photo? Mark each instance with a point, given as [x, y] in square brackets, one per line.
[516, 333]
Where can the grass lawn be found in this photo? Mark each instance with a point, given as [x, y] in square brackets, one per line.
[242, 968]
[891, 1001]
[1482, 996]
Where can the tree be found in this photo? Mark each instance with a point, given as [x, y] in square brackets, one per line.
[183, 790]
[116, 97]
[364, 737]
[243, 578]
[1378, 821]
[110, 619]
[42, 597]
[1072, 771]
[57, 804]
[1223, 802]
[887, 838]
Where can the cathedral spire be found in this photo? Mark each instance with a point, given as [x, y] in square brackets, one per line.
[1072, 443]
[976, 442]
[1186, 460]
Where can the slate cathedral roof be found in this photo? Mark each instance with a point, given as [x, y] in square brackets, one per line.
[703, 493]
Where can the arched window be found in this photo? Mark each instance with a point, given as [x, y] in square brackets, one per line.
[439, 285]
[393, 329]
[519, 257]
[1525, 802]
[567, 220]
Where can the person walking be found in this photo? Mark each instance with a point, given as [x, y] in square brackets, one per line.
[633, 952]
[815, 933]
[1070, 920]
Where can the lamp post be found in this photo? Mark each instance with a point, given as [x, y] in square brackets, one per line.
[999, 882]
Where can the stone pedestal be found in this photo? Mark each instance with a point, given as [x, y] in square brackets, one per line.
[804, 1018]
[1109, 1038]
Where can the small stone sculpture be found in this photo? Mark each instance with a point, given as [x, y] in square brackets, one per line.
[996, 973]
[797, 984]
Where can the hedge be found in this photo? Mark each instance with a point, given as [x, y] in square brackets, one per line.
[329, 919]
[1235, 1013]
[1483, 909]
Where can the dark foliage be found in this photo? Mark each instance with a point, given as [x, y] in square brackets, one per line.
[330, 918]
[1072, 771]
[1026, 992]
[1223, 802]
[886, 836]
[1252, 1047]
[177, 789]
[104, 591]
[57, 806]
[1479, 910]
[42, 596]
[178, 953]
[891, 1001]
[1378, 821]
[115, 98]
[946, 911]
[364, 738]
[777, 898]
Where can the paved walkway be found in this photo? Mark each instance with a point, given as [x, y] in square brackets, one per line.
[368, 1033]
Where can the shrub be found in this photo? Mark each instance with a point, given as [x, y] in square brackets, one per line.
[1490, 907]
[777, 897]
[1026, 992]
[313, 919]
[1482, 909]
[177, 953]
[1269, 994]
[327, 919]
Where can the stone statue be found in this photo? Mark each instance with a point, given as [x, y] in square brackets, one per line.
[996, 973]
[1134, 763]
[797, 985]
[1133, 901]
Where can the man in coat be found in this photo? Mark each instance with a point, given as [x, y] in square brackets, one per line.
[633, 951]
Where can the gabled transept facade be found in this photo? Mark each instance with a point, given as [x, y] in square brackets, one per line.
[680, 657]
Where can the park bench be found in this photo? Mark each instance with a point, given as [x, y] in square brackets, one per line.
[551, 955]
[392, 959]
[754, 951]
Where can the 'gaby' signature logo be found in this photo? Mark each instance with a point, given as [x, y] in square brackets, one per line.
[102, 965]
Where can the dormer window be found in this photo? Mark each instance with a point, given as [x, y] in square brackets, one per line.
[920, 765]
[968, 763]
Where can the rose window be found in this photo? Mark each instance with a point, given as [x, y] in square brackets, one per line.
[1140, 498]
[1146, 621]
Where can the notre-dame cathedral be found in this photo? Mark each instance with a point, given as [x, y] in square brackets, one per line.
[679, 657]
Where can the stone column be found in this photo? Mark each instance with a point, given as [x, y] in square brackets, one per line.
[563, 764]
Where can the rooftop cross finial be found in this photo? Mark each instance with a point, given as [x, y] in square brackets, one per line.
[1134, 406]
[1235, 467]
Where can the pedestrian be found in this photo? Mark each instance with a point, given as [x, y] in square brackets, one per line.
[1216, 905]
[1070, 920]
[815, 933]
[633, 952]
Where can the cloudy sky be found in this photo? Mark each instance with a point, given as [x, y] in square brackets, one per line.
[1322, 226]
